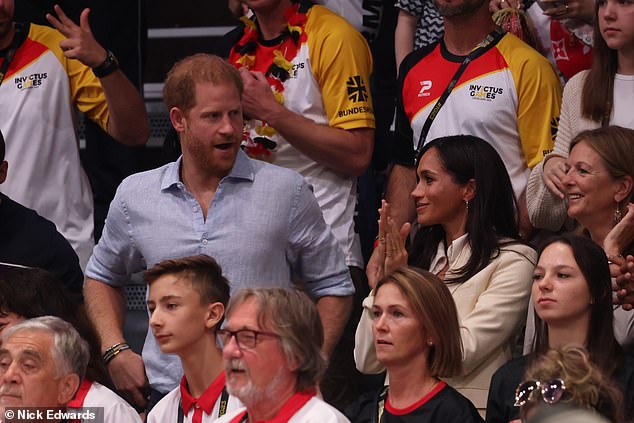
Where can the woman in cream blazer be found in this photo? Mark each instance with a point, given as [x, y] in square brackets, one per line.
[468, 236]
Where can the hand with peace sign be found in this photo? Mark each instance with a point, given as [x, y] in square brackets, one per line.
[80, 42]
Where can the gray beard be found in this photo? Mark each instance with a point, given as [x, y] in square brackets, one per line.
[250, 394]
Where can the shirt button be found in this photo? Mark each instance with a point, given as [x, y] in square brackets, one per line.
[197, 406]
[204, 242]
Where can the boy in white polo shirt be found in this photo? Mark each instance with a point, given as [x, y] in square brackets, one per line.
[186, 301]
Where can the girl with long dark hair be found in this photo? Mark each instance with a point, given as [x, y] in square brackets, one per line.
[572, 296]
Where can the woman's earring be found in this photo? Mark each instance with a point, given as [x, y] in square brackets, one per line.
[618, 214]
[467, 203]
[430, 342]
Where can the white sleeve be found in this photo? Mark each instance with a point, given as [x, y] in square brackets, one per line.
[364, 352]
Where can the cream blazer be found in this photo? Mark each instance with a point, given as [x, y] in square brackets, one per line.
[491, 308]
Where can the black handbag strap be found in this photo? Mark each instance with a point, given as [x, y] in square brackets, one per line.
[491, 39]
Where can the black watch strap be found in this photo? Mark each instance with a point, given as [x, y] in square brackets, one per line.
[108, 66]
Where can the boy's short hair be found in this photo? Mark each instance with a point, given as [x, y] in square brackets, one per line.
[202, 271]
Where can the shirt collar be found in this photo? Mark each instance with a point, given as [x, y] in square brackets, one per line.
[291, 406]
[450, 255]
[207, 399]
[242, 169]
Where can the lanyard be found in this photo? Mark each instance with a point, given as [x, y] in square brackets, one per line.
[380, 405]
[8, 57]
[490, 39]
[224, 399]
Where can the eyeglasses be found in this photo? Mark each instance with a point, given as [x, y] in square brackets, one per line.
[245, 338]
[551, 391]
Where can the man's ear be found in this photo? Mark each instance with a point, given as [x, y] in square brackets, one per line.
[215, 313]
[67, 388]
[178, 119]
[293, 364]
[4, 168]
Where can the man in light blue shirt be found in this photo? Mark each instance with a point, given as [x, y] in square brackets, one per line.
[260, 222]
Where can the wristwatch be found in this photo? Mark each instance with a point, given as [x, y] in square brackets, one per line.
[108, 66]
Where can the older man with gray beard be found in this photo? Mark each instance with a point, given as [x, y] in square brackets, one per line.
[272, 352]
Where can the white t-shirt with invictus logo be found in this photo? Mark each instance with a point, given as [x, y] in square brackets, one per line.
[37, 99]
[509, 96]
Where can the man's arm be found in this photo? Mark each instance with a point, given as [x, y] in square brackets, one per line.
[400, 183]
[128, 121]
[319, 261]
[540, 93]
[404, 35]
[105, 308]
[334, 313]
[347, 151]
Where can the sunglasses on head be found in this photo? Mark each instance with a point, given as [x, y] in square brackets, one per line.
[551, 391]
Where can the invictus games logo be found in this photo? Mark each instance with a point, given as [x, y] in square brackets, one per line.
[484, 92]
[296, 67]
[30, 81]
[356, 89]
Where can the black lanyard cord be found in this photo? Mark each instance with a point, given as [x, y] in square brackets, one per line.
[491, 39]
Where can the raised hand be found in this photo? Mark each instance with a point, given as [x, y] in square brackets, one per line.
[624, 284]
[621, 235]
[257, 98]
[80, 42]
[390, 252]
[569, 9]
[554, 172]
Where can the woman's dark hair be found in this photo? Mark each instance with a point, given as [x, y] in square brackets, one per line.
[31, 292]
[593, 263]
[597, 97]
[491, 213]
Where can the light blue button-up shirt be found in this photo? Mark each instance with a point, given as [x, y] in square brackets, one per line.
[263, 226]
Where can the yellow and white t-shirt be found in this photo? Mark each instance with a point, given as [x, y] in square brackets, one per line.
[328, 84]
[37, 119]
[509, 96]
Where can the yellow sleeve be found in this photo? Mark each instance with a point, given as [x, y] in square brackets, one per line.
[341, 64]
[86, 92]
[539, 98]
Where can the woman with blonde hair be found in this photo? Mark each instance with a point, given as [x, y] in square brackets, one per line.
[568, 376]
[417, 338]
